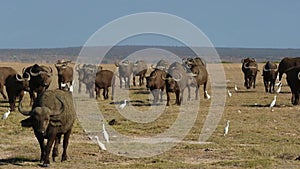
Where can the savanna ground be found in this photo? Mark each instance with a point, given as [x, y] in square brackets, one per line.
[257, 138]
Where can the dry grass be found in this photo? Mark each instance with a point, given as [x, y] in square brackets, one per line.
[258, 138]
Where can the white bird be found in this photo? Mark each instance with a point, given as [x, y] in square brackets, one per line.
[273, 103]
[123, 104]
[207, 95]
[277, 84]
[101, 145]
[279, 88]
[229, 93]
[105, 134]
[226, 129]
[6, 114]
[71, 89]
[63, 84]
[235, 88]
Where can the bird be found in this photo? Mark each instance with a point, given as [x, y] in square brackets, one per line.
[105, 134]
[226, 129]
[123, 105]
[229, 93]
[235, 88]
[101, 145]
[273, 103]
[279, 88]
[207, 95]
[6, 114]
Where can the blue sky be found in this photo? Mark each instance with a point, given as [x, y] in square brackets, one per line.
[230, 23]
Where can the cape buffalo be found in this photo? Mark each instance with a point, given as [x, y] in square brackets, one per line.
[104, 79]
[176, 81]
[194, 61]
[200, 74]
[269, 76]
[125, 71]
[139, 69]
[162, 65]
[156, 84]
[82, 70]
[250, 69]
[64, 73]
[15, 86]
[287, 64]
[293, 80]
[5, 72]
[51, 117]
[40, 79]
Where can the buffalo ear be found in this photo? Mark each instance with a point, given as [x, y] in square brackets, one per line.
[55, 123]
[242, 60]
[27, 122]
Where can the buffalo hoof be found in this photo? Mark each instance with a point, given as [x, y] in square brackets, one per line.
[46, 165]
[64, 158]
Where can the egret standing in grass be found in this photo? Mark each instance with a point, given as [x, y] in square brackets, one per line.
[105, 134]
[123, 105]
[229, 93]
[273, 103]
[235, 88]
[207, 95]
[101, 145]
[5, 115]
[226, 129]
[279, 88]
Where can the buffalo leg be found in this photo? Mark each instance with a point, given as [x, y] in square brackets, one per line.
[120, 78]
[133, 80]
[1, 91]
[189, 93]
[40, 139]
[266, 85]
[161, 94]
[168, 98]
[65, 145]
[55, 148]
[177, 93]
[79, 87]
[48, 149]
[204, 89]
[197, 92]
[128, 82]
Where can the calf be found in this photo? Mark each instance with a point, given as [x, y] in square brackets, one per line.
[269, 76]
[156, 84]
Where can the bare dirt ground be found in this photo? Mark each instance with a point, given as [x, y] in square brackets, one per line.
[257, 138]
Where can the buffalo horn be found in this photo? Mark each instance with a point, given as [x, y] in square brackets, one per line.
[19, 78]
[25, 113]
[180, 77]
[34, 74]
[28, 78]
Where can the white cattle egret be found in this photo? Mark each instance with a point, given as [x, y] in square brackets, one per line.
[273, 103]
[207, 95]
[277, 84]
[63, 84]
[123, 105]
[105, 134]
[226, 129]
[279, 88]
[235, 88]
[101, 145]
[6, 114]
[229, 93]
[71, 88]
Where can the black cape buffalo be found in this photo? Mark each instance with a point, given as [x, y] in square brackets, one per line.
[51, 117]
[293, 80]
[269, 76]
[287, 64]
[156, 84]
[40, 79]
[139, 69]
[65, 74]
[250, 69]
[176, 81]
[15, 87]
[5, 72]
[125, 71]
[104, 79]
